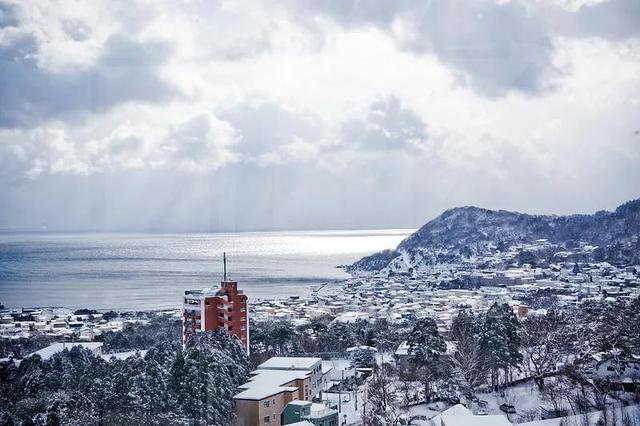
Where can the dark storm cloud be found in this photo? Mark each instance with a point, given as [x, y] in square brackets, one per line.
[388, 126]
[30, 94]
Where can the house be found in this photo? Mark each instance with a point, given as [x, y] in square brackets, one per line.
[312, 365]
[401, 356]
[276, 383]
[256, 406]
[303, 411]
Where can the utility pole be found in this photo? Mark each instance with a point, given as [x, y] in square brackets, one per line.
[356, 399]
[364, 407]
[340, 394]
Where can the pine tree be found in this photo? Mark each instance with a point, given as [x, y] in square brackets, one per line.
[363, 358]
[339, 336]
[215, 364]
[426, 346]
[500, 341]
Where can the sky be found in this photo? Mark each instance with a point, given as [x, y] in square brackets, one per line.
[158, 115]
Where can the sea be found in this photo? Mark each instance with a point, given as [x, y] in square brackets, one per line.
[136, 272]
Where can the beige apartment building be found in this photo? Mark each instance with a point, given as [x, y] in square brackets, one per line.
[262, 400]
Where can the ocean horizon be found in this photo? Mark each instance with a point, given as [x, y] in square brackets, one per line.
[148, 271]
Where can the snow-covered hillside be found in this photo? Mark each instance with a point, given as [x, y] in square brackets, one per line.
[468, 233]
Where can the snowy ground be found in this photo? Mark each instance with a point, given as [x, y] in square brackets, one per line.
[524, 397]
[347, 406]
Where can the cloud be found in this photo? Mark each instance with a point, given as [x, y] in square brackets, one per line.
[387, 126]
[323, 114]
[195, 141]
[126, 71]
[265, 127]
[496, 47]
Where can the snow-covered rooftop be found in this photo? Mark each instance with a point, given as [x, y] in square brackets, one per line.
[265, 378]
[258, 393]
[265, 383]
[49, 351]
[300, 402]
[293, 363]
[494, 420]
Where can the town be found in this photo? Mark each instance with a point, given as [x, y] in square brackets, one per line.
[397, 347]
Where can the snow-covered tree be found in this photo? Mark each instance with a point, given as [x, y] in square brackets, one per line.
[499, 340]
[468, 360]
[426, 346]
[363, 358]
[382, 405]
[339, 336]
[543, 341]
[215, 365]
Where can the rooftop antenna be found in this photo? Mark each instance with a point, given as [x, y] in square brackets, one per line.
[224, 262]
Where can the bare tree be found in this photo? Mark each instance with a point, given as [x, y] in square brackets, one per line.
[468, 357]
[543, 338]
[382, 405]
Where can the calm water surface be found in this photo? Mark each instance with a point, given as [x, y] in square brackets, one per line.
[151, 271]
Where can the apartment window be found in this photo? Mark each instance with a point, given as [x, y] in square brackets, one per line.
[266, 419]
[265, 404]
[274, 401]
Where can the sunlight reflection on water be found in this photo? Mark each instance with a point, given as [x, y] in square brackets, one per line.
[150, 271]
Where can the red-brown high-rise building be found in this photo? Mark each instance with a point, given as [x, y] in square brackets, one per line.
[209, 309]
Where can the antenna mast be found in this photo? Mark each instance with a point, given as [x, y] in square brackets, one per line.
[224, 262]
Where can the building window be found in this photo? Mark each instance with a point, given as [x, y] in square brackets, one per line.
[274, 401]
[266, 419]
[265, 404]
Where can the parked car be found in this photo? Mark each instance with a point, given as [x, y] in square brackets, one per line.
[508, 408]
